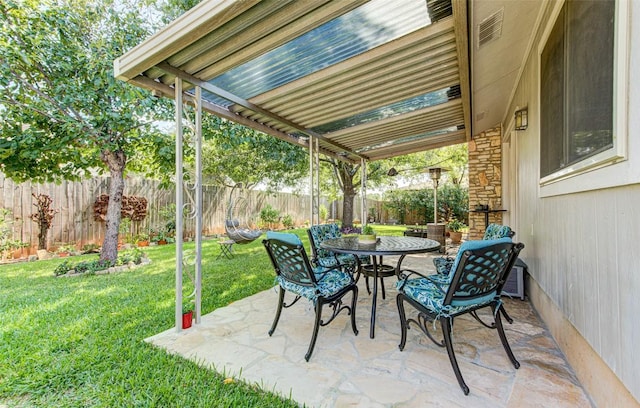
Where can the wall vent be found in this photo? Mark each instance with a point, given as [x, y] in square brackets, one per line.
[490, 28]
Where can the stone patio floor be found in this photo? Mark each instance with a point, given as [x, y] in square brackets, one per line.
[356, 371]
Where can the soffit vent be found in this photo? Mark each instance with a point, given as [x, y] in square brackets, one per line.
[490, 28]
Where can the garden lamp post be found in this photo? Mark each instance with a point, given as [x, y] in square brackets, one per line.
[435, 173]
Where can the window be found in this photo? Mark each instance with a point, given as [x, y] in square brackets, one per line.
[577, 89]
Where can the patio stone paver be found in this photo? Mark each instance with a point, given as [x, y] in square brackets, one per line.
[348, 371]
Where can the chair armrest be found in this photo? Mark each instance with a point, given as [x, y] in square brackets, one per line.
[437, 283]
[405, 277]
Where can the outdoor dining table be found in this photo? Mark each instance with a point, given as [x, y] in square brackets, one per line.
[384, 245]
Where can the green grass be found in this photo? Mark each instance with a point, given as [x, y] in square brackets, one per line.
[77, 342]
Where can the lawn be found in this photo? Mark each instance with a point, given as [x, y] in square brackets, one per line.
[77, 342]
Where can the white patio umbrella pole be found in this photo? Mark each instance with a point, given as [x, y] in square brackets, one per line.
[198, 186]
[179, 202]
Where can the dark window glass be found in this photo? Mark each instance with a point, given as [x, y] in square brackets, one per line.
[576, 73]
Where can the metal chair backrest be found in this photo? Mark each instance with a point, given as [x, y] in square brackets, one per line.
[289, 258]
[481, 273]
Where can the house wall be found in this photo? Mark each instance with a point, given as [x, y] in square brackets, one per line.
[581, 237]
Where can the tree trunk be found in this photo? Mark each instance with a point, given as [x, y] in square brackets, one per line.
[42, 238]
[349, 194]
[116, 161]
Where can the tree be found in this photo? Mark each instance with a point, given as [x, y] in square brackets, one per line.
[64, 114]
[233, 153]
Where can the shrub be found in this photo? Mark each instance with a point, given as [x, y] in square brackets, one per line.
[269, 215]
[130, 255]
[63, 268]
[287, 221]
[92, 266]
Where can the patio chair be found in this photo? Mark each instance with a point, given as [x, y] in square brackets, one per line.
[322, 257]
[478, 275]
[320, 285]
[494, 231]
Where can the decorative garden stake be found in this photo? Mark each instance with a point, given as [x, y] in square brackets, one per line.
[43, 217]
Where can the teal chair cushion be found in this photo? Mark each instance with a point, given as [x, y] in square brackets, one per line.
[289, 238]
[496, 231]
[443, 264]
[323, 232]
[330, 282]
[431, 296]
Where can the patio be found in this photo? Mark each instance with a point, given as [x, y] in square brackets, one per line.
[348, 370]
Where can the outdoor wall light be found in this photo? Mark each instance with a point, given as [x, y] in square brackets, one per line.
[522, 119]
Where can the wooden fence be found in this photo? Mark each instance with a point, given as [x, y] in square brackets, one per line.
[75, 223]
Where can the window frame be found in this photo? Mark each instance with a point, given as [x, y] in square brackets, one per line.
[619, 152]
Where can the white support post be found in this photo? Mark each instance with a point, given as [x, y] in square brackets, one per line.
[314, 181]
[179, 202]
[317, 186]
[198, 204]
[363, 192]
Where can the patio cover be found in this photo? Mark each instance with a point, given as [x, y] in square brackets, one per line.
[367, 79]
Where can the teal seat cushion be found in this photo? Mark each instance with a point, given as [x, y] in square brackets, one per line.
[331, 261]
[330, 282]
[431, 296]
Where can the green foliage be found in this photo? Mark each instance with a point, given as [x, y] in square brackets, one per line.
[187, 306]
[90, 248]
[323, 212]
[134, 255]
[7, 243]
[367, 230]
[269, 215]
[453, 202]
[287, 221]
[63, 268]
[62, 107]
[91, 267]
[69, 247]
[234, 153]
[455, 225]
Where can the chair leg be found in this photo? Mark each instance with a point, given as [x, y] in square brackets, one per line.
[354, 301]
[403, 321]
[316, 326]
[280, 302]
[503, 339]
[446, 331]
[506, 315]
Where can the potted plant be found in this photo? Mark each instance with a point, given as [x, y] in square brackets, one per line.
[160, 237]
[187, 314]
[367, 235]
[455, 230]
[142, 239]
[65, 250]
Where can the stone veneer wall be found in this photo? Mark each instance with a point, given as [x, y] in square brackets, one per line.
[485, 179]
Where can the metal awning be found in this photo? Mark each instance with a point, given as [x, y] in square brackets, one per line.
[368, 79]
